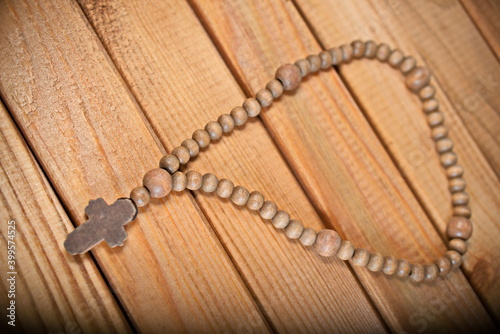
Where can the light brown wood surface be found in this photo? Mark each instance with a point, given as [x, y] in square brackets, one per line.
[101, 90]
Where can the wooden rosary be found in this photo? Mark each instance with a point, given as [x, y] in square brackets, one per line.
[106, 222]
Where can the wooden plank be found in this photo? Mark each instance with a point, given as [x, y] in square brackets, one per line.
[181, 81]
[485, 15]
[54, 292]
[90, 136]
[340, 162]
[395, 114]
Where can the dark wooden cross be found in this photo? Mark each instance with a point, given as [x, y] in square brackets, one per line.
[105, 222]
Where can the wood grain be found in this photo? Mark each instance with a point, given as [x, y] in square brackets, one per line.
[89, 133]
[187, 84]
[339, 160]
[396, 117]
[54, 291]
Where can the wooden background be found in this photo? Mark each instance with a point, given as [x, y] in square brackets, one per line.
[95, 92]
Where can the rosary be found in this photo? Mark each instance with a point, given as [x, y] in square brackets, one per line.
[106, 222]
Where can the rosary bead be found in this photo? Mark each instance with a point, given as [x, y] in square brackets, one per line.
[268, 210]
[179, 181]
[225, 188]
[209, 183]
[462, 211]
[418, 78]
[427, 92]
[226, 122]
[346, 250]
[194, 180]
[448, 159]
[140, 196]
[396, 58]
[435, 119]
[404, 268]
[289, 75]
[158, 182]
[314, 63]
[455, 171]
[327, 243]
[390, 265]
[408, 64]
[459, 227]
[376, 262]
[361, 257]
[326, 60]
[336, 54]
[252, 106]
[346, 53]
[255, 201]
[370, 49]
[281, 219]
[444, 265]
[454, 257]
[460, 198]
[214, 130]
[201, 137]
[182, 153]
[431, 272]
[456, 185]
[192, 146]
[308, 237]
[304, 66]
[430, 106]
[294, 229]
[458, 245]
[240, 195]
[383, 52]
[439, 132]
[417, 272]
[239, 115]
[358, 49]
[170, 162]
[265, 97]
[444, 145]
[275, 87]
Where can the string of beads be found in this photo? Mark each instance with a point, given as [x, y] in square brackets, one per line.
[159, 182]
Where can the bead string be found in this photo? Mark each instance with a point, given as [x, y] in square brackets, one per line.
[159, 182]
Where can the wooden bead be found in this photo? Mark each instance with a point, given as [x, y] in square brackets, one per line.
[417, 272]
[454, 257]
[444, 265]
[326, 60]
[462, 211]
[281, 219]
[226, 122]
[275, 87]
[289, 75]
[255, 201]
[408, 65]
[252, 106]
[304, 66]
[201, 137]
[346, 250]
[327, 243]
[308, 237]
[404, 268]
[336, 54]
[439, 132]
[448, 159]
[431, 272]
[294, 229]
[225, 188]
[383, 52]
[194, 180]
[459, 227]
[239, 115]
[179, 181]
[460, 198]
[158, 182]
[376, 262]
[240, 195]
[455, 171]
[370, 49]
[444, 145]
[458, 245]
[427, 92]
[456, 185]
[265, 97]
[390, 265]
[361, 257]
[418, 78]
[435, 119]
[214, 130]
[209, 183]
[268, 210]
[314, 63]
[170, 162]
[182, 153]
[346, 50]
[192, 146]
[140, 196]
[396, 58]
[358, 49]
[430, 106]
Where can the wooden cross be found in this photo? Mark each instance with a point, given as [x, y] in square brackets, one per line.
[105, 222]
